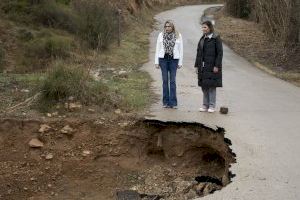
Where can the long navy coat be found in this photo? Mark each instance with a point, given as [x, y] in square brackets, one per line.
[213, 58]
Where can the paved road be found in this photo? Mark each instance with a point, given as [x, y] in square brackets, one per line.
[263, 123]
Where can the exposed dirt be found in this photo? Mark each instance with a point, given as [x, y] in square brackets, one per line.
[95, 159]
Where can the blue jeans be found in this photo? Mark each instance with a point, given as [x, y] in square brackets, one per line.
[168, 70]
[209, 97]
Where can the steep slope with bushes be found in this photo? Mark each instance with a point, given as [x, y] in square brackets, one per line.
[40, 40]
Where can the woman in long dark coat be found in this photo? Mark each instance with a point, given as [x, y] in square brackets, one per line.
[209, 66]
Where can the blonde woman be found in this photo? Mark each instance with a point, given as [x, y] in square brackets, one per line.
[168, 57]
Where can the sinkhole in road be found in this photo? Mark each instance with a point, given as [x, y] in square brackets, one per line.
[185, 161]
[106, 160]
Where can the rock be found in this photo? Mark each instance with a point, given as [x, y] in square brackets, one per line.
[86, 153]
[124, 124]
[55, 113]
[74, 106]
[111, 69]
[25, 90]
[36, 143]
[123, 74]
[223, 110]
[210, 188]
[91, 110]
[134, 188]
[44, 128]
[118, 111]
[199, 188]
[49, 115]
[180, 153]
[67, 130]
[97, 122]
[49, 156]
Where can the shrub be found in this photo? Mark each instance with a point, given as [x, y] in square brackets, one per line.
[16, 10]
[25, 35]
[48, 47]
[42, 49]
[51, 14]
[62, 82]
[239, 8]
[97, 23]
[46, 12]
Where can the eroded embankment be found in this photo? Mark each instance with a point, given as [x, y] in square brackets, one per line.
[95, 160]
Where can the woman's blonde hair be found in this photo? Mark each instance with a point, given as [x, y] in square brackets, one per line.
[171, 23]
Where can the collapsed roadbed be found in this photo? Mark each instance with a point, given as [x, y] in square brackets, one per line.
[103, 159]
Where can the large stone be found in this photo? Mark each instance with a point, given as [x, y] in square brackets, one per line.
[67, 130]
[199, 188]
[86, 153]
[44, 128]
[210, 188]
[73, 106]
[49, 156]
[223, 110]
[36, 143]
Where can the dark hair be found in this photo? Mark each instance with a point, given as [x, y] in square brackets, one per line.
[209, 25]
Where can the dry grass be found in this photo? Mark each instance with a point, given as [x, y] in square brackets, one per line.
[248, 39]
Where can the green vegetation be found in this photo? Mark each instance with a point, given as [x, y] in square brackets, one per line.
[97, 23]
[134, 90]
[52, 26]
[63, 82]
[40, 50]
[58, 41]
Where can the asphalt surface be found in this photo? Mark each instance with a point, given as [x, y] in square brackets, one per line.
[263, 121]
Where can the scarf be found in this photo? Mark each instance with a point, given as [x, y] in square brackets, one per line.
[169, 40]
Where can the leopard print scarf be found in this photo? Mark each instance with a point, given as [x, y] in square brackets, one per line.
[169, 40]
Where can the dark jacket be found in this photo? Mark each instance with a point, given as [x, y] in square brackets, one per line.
[210, 51]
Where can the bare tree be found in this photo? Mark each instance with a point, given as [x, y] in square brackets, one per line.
[280, 18]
